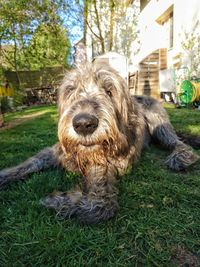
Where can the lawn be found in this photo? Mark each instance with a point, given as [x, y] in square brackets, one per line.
[158, 223]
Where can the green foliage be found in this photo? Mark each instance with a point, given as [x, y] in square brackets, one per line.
[191, 46]
[23, 35]
[159, 209]
[4, 104]
[32, 38]
[19, 97]
[48, 47]
[111, 25]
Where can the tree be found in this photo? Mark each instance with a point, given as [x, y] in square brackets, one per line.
[48, 47]
[190, 42]
[25, 18]
[107, 25]
[110, 25]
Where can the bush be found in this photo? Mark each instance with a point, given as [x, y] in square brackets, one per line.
[5, 104]
[19, 97]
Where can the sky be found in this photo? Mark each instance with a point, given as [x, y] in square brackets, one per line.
[73, 21]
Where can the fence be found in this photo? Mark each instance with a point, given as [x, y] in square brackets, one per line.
[35, 86]
[32, 79]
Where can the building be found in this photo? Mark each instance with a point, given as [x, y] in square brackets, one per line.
[169, 34]
[116, 61]
[161, 51]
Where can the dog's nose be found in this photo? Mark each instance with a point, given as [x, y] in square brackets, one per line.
[85, 123]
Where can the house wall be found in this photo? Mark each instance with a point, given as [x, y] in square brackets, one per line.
[151, 32]
[154, 35]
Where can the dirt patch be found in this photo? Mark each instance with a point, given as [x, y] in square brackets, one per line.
[182, 257]
[21, 120]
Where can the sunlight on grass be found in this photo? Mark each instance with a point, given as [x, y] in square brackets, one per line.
[27, 111]
[184, 120]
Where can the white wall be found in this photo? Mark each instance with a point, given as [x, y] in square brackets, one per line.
[153, 36]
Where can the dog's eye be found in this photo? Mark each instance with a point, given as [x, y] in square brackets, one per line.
[109, 93]
[70, 88]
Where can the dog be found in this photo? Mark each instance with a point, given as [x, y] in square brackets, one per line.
[102, 130]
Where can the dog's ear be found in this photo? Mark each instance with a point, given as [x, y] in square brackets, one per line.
[80, 55]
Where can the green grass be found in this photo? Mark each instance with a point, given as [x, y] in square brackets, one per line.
[185, 120]
[159, 209]
[27, 111]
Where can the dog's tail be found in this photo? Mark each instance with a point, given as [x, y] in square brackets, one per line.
[190, 139]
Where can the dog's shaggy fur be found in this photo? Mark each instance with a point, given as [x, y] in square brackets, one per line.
[101, 131]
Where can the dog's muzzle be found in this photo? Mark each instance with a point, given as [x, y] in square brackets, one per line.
[85, 124]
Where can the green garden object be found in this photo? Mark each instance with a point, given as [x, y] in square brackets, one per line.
[189, 92]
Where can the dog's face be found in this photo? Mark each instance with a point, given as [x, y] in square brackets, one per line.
[94, 106]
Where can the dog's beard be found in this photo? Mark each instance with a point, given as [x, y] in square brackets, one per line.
[102, 137]
[109, 139]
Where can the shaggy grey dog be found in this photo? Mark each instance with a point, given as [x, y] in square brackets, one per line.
[101, 131]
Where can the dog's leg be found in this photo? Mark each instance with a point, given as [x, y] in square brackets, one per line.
[46, 158]
[96, 202]
[182, 155]
[162, 131]
[99, 201]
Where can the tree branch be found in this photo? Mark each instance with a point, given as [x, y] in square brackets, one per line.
[99, 27]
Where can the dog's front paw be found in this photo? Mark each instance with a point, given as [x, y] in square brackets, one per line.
[65, 204]
[181, 158]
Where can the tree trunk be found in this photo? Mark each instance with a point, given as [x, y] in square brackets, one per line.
[1, 118]
[85, 17]
[99, 28]
[112, 13]
[15, 61]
